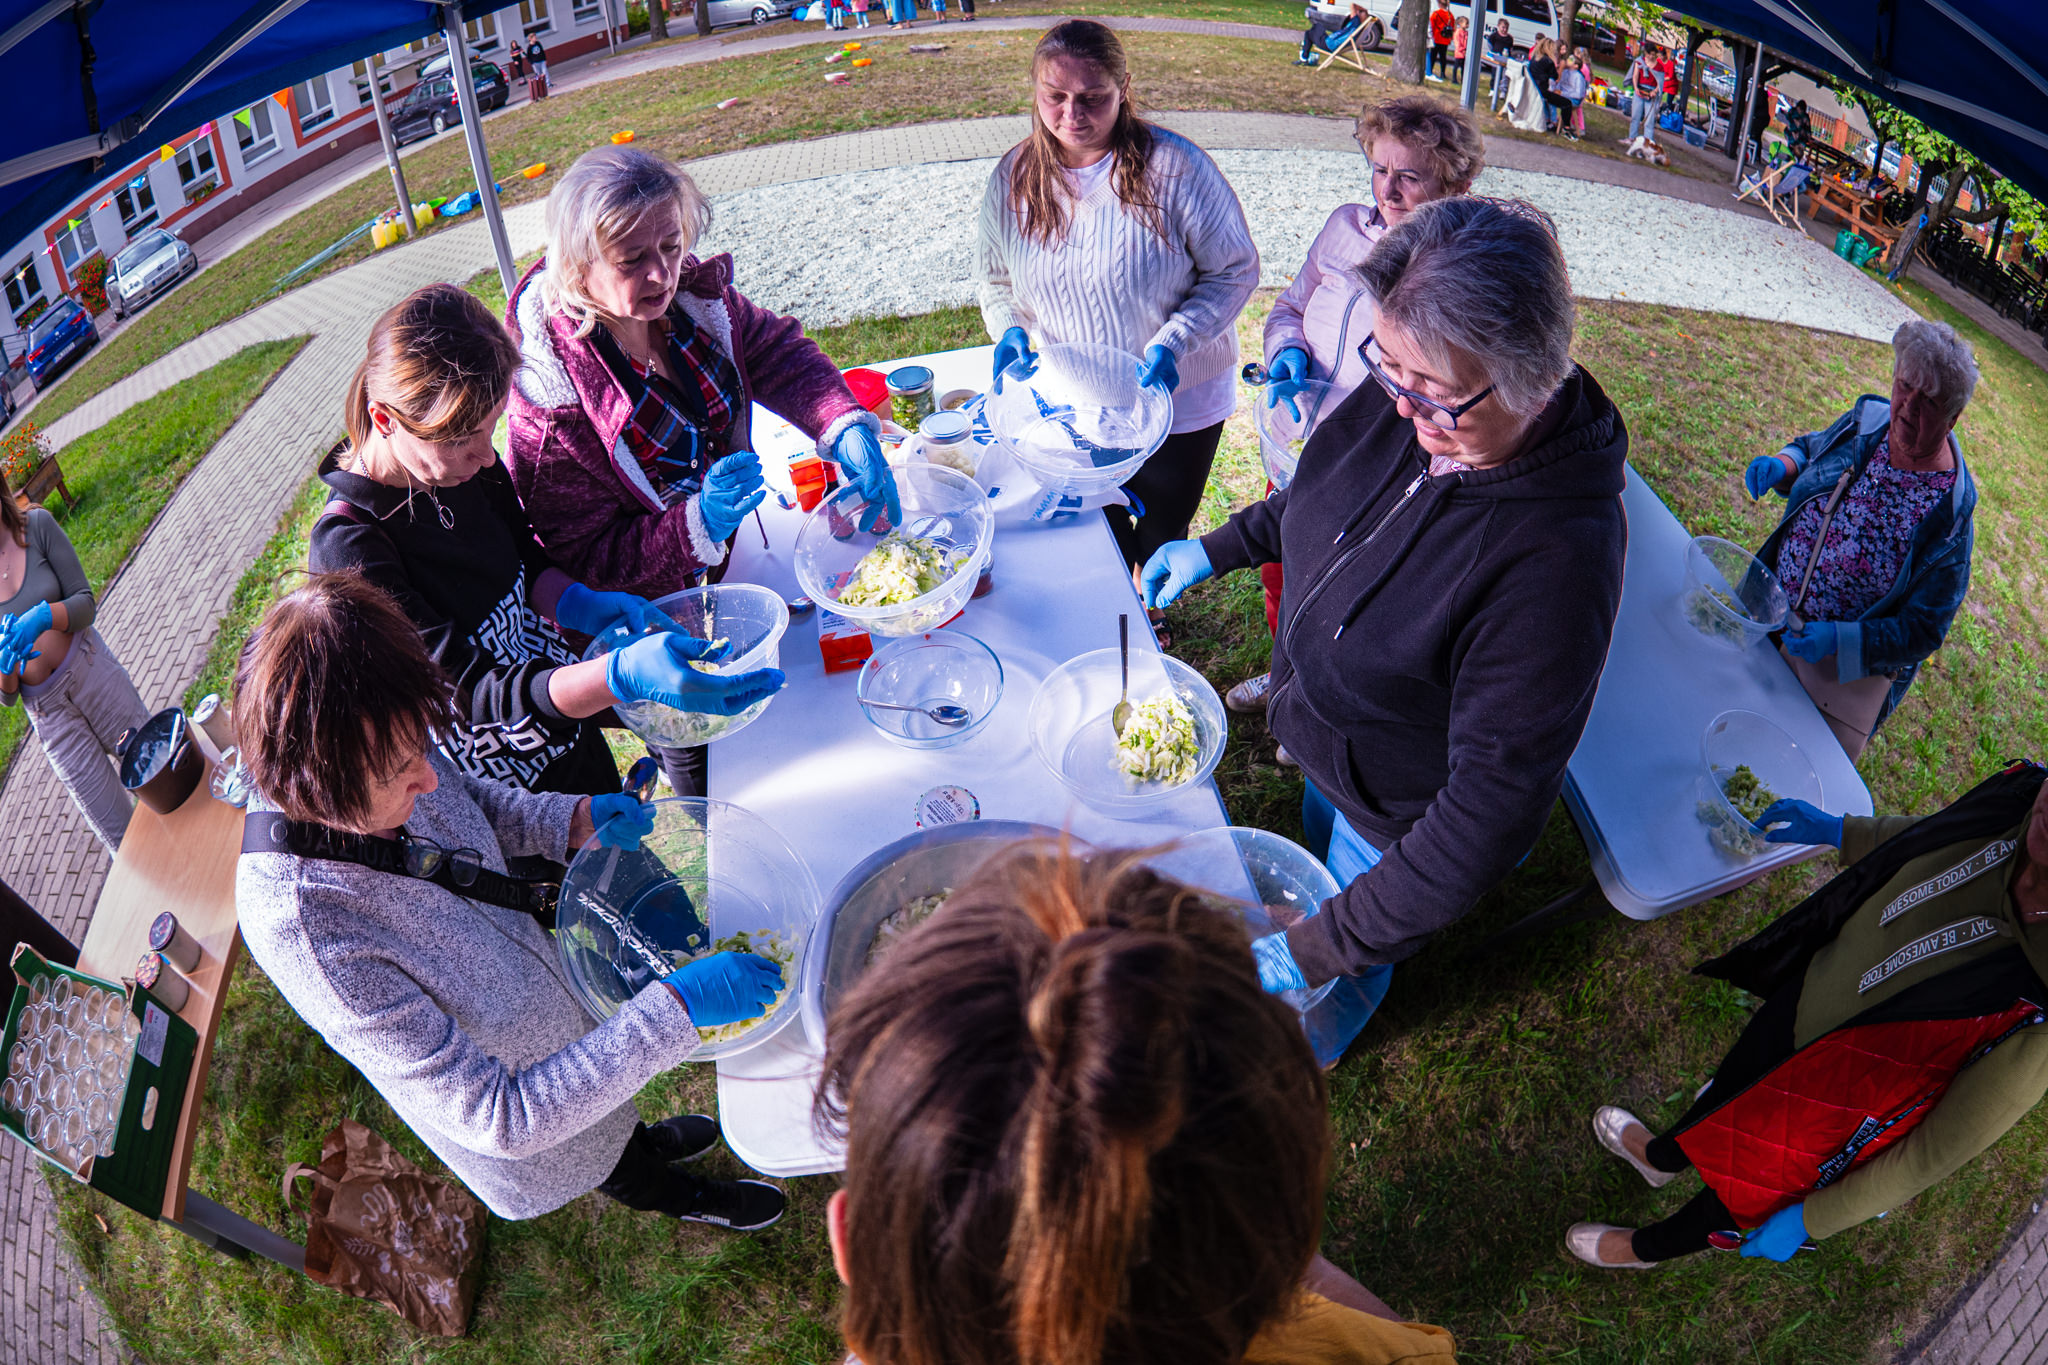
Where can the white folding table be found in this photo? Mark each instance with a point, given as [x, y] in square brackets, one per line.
[1631, 785]
[813, 766]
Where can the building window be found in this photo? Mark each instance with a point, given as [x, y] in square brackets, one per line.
[197, 172]
[587, 11]
[254, 132]
[534, 17]
[362, 77]
[24, 288]
[315, 103]
[137, 203]
[482, 33]
[77, 242]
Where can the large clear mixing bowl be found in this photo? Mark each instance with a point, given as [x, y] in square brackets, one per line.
[939, 505]
[1080, 422]
[752, 618]
[1284, 428]
[1271, 881]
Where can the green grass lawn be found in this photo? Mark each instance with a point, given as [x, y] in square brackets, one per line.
[123, 473]
[1463, 1146]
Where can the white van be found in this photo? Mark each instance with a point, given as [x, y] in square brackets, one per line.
[1528, 20]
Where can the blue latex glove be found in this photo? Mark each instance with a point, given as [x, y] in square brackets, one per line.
[1278, 970]
[1158, 368]
[1803, 824]
[657, 668]
[1284, 378]
[593, 613]
[1174, 568]
[1783, 1233]
[622, 820]
[1014, 352]
[725, 988]
[21, 635]
[859, 457]
[1813, 641]
[732, 488]
[1763, 475]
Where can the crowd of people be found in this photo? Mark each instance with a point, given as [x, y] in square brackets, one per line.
[1047, 1098]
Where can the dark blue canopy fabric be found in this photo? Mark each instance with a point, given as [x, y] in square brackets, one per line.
[1972, 70]
[148, 71]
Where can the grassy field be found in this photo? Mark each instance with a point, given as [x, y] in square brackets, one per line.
[124, 473]
[1463, 1148]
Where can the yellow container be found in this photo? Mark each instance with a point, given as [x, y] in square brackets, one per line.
[423, 214]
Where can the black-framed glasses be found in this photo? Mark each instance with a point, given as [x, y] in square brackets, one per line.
[424, 859]
[1437, 414]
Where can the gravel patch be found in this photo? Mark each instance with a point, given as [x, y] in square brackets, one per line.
[794, 251]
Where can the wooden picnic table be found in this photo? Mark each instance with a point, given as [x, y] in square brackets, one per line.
[1861, 212]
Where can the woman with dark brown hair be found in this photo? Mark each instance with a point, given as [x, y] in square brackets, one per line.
[78, 697]
[1101, 227]
[1078, 1132]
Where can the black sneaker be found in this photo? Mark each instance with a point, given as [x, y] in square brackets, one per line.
[742, 1205]
[682, 1138]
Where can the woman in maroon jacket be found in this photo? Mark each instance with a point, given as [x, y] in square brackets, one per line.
[630, 444]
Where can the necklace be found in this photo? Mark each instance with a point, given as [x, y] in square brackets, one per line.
[441, 513]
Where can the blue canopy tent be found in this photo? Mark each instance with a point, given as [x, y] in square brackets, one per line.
[97, 84]
[1971, 70]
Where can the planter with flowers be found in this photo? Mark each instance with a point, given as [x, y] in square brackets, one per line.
[31, 466]
[92, 285]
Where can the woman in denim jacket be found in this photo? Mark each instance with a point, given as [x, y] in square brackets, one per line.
[1894, 561]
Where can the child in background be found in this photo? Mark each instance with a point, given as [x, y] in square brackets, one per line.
[939, 11]
[1459, 39]
[860, 13]
[1571, 83]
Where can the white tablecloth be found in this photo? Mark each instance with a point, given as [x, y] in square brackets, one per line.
[1630, 785]
[815, 769]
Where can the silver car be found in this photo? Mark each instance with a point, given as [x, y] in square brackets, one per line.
[146, 267]
[725, 12]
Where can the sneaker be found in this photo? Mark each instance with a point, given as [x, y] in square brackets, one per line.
[741, 1205]
[1283, 758]
[1249, 697]
[684, 1137]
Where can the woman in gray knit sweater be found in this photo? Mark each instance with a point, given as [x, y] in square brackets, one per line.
[455, 1008]
[1101, 227]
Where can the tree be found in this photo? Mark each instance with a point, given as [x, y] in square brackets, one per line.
[657, 19]
[703, 14]
[1411, 42]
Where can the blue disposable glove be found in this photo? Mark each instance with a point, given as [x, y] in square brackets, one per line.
[1284, 378]
[1158, 368]
[1174, 568]
[1783, 1233]
[1813, 641]
[725, 988]
[859, 457]
[732, 488]
[593, 613]
[1802, 824]
[1763, 475]
[1278, 970]
[21, 636]
[622, 820]
[10, 661]
[1014, 357]
[657, 668]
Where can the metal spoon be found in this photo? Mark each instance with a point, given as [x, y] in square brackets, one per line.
[945, 713]
[1121, 716]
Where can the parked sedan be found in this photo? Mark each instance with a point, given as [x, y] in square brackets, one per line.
[431, 107]
[146, 267]
[725, 13]
[63, 331]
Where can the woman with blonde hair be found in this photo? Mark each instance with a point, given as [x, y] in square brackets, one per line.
[1101, 227]
[419, 505]
[1077, 1131]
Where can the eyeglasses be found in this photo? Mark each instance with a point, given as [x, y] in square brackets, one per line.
[424, 859]
[1436, 414]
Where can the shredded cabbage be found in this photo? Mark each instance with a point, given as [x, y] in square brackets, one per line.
[1160, 744]
[902, 921]
[899, 569]
[771, 944]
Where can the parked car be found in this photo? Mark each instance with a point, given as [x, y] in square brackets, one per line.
[146, 267]
[1528, 20]
[431, 106]
[63, 331]
[725, 13]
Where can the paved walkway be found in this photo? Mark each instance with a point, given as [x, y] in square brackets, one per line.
[160, 614]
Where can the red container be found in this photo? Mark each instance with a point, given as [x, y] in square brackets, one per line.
[870, 390]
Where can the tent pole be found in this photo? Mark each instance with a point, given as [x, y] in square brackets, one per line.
[376, 66]
[1756, 78]
[611, 41]
[1475, 49]
[473, 134]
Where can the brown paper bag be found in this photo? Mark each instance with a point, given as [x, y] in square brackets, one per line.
[380, 1228]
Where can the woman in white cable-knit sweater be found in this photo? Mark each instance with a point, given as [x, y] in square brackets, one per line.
[1101, 227]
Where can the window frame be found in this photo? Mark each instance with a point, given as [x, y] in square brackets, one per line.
[18, 299]
[136, 216]
[306, 102]
[256, 148]
[81, 249]
[536, 16]
[191, 179]
[486, 38]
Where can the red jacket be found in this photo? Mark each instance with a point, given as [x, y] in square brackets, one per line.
[1441, 26]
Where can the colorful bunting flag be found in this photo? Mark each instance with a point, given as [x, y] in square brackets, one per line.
[166, 152]
[243, 117]
[283, 98]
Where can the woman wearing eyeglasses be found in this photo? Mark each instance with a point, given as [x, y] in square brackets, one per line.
[1453, 547]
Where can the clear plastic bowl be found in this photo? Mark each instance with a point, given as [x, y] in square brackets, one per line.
[709, 871]
[1270, 881]
[1072, 735]
[1755, 602]
[753, 618]
[1282, 434]
[938, 668]
[1743, 738]
[1080, 422]
[939, 504]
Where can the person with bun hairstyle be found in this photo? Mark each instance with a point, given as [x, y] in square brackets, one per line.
[419, 504]
[1078, 1131]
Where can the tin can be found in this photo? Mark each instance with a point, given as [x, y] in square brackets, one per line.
[168, 937]
[162, 981]
[910, 395]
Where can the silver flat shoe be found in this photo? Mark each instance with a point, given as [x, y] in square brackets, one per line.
[1583, 1241]
[1609, 1123]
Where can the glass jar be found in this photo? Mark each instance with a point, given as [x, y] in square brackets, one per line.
[910, 395]
[943, 439]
